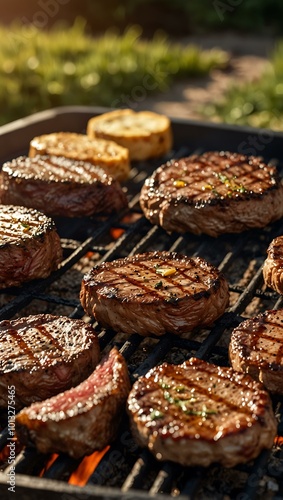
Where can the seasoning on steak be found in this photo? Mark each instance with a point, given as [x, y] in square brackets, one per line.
[82, 419]
[256, 347]
[273, 265]
[214, 193]
[30, 246]
[197, 414]
[155, 293]
[42, 355]
[60, 186]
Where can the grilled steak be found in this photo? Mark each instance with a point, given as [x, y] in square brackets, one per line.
[82, 419]
[155, 293]
[197, 414]
[42, 355]
[30, 246]
[60, 187]
[256, 347]
[273, 265]
[214, 193]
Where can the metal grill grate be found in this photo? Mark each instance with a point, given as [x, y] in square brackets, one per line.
[126, 471]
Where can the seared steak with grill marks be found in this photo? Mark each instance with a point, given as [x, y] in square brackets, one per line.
[60, 186]
[83, 419]
[256, 347]
[214, 193]
[30, 246]
[198, 413]
[273, 265]
[155, 293]
[42, 355]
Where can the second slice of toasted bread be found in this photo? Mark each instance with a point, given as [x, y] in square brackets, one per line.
[145, 134]
[106, 154]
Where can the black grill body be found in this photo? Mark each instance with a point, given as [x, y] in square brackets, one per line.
[125, 471]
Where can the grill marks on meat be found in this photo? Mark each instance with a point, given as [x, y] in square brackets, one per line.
[30, 246]
[273, 265]
[60, 186]
[256, 347]
[155, 293]
[197, 414]
[43, 354]
[213, 193]
[82, 419]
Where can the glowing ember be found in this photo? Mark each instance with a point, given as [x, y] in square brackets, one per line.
[128, 219]
[82, 474]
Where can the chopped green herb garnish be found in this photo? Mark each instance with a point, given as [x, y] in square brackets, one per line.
[163, 385]
[156, 414]
[25, 225]
[186, 405]
[180, 388]
[231, 184]
[158, 284]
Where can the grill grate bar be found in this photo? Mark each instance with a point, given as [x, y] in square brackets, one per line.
[131, 345]
[248, 293]
[29, 461]
[157, 355]
[226, 321]
[144, 243]
[164, 480]
[61, 468]
[140, 471]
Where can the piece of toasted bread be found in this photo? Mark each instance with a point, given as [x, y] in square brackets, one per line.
[106, 154]
[145, 134]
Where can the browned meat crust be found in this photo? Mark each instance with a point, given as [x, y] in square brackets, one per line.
[60, 186]
[83, 419]
[155, 293]
[197, 414]
[30, 246]
[214, 193]
[42, 355]
[273, 265]
[256, 347]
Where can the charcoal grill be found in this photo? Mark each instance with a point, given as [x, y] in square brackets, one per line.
[126, 471]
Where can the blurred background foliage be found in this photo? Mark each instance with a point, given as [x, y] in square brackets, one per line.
[258, 103]
[64, 66]
[105, 56]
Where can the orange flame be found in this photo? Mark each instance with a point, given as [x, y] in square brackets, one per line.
[86, 467]
[278, 441]
[48, 464]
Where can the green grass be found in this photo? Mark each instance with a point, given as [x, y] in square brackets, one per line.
[259, 103]
[66, 66]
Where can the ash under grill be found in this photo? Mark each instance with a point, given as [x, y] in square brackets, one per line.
[126, 471]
